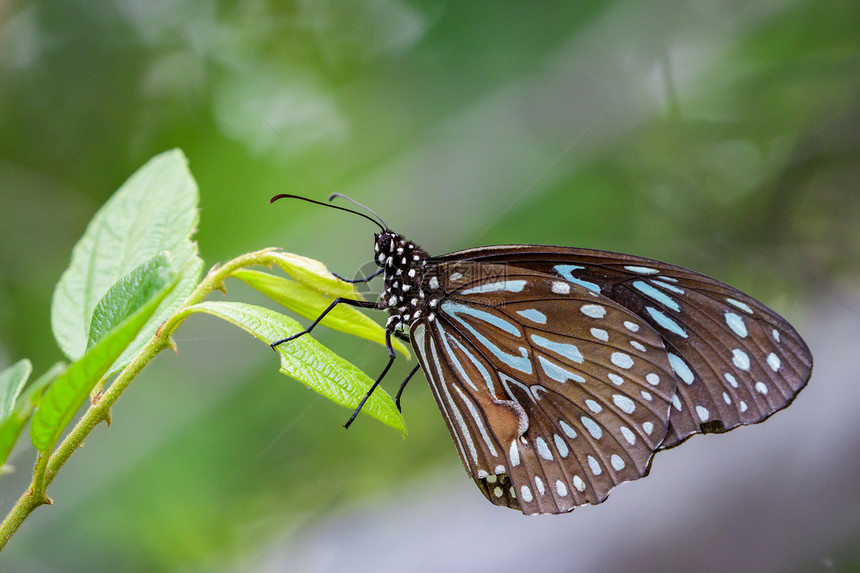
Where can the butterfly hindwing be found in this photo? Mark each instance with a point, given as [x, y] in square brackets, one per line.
[553, 393]
[737, 360]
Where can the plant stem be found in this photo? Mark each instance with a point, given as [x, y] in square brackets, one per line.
[47, 467]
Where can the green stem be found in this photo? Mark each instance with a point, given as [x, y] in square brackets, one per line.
[47, 467]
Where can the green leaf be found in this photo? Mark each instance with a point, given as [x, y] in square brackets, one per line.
[308, 361]
[315, 275]
[154, 211]
[127, 296]
[72, 388]
[310, 303]
[12, 380]
[189, 277]
[13, 423]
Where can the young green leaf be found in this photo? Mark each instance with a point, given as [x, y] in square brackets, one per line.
[315, 275]
[308, 361]
[12, 380]
[13, 423]
[71, 389]
[189, 276]
[310, 303]
[154, 211]
[128, 295]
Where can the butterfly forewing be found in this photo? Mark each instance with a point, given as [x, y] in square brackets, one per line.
[737, 361]
[553, 393]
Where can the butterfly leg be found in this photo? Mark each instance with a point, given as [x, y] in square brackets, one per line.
[337, 301]
[364, 280]
[403, 385]
[391, 356]
[402, 336]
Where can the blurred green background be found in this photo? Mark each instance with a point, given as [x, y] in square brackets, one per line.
[722, 136]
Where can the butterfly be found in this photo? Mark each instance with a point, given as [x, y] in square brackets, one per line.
[561, 371]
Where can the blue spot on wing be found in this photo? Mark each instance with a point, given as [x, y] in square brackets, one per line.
[566, 272]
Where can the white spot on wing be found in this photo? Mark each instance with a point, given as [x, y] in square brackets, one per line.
[703, 413]
[641, 270]
[760, 388]
[656, 295]
[560, 445]
[631, 326]
[628, 435]
[526, 493]
[509, 286]
[626, 404]
[740, 359]
[617, 462]
[667, 286]
[738, 304]
[600, 334]
[543, 449]
[681, 369]
[736, 323]
[593, 310]
[621, 360]
[539, 485]
[648, 427]
[595, 467]
[665, 322]
[514, 454]
[594, 406]
[773, 361]
[558, 373]
[731, 380]
[615, 379]
[592, 427]
[578, 483]
[569, 351]
[560, 488]
[533, 315]
[652, 379]
[565, 427]
[559, 287]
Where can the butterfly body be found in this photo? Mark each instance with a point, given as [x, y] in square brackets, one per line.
[561, 371]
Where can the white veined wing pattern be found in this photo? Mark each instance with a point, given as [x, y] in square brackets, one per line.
[737, 361]
[547, 412]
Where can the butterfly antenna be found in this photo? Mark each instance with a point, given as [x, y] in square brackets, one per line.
[372, 220]
[354, 202]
